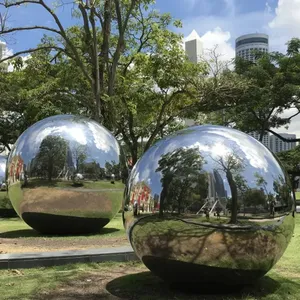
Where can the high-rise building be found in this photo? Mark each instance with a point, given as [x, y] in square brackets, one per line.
[193, 47]
[274, 143]
[246, 44]
[278, 145]
[266, 138]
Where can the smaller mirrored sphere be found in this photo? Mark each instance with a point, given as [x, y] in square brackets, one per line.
[209, 204]
[78, 178]
[3, 160]
[58, 175]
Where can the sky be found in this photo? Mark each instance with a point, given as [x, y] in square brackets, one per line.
[218, 22]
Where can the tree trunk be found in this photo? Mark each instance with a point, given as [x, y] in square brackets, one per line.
[234, 196]
[294, 184]
[134, 153]
[262, 133]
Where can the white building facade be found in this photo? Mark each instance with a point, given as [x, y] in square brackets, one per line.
[193, 47]
[246, 44]
[278, 145]
[274, 143]
[266, 139]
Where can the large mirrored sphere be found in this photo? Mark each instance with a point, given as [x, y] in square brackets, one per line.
[59, 172]
[3, 160]
[209, 204]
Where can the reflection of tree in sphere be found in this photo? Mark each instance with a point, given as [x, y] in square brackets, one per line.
[209, 204]
[78, 178]
[57, 175]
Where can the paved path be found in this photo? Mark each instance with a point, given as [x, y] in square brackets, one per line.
[47, 259]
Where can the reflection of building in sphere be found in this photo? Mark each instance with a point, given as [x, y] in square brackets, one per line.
[222, 207]
[141, 195]
[57, 178]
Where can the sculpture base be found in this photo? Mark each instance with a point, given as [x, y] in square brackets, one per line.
[63, 225]
[179, 272]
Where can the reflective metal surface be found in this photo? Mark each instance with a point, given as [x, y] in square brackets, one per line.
[209, 204]
[59, 173]
[3, 160]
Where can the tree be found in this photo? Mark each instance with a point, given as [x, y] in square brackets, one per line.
[51, 158]
[290, 160]
[274, 80]
[254, 197]
[79, 155]
[112, 32]
[180, 170]
[156, 92]
[232, 165]
[37, 90]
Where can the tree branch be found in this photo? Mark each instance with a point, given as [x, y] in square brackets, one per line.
[282, 138]
[6, 4]
[29, 28]
[31, 51]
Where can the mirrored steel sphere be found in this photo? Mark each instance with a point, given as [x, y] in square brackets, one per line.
[209, 204]
[58, 175]
[3, 160]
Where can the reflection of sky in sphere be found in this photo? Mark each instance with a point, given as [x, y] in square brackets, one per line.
[101, 146]
[214, 143]
[2, 167]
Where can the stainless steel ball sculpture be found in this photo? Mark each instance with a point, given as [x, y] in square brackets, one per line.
[211, 205]
[56, 175]
[3, 160]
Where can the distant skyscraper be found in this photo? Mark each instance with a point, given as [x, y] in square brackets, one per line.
[266, 138]
[278, 145]
[246, 44]
[193, 47]
[274, 143]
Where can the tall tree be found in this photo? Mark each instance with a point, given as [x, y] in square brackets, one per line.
[112, 32]
[275, 82]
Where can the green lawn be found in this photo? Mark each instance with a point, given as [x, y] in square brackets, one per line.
[4, 200]
[130, 281]
[16, 228]
[88, 184]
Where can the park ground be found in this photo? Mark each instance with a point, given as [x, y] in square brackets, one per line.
[133, 281]
[16, 237]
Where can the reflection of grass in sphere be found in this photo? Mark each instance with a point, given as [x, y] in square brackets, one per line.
[63, 198]
[256, 248]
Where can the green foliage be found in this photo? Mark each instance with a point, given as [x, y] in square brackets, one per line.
[274, 86]
[180, 178]
[50, 158]
[291, 160]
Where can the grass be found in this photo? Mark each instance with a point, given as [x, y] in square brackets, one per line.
[94, 281]
[4, 200]
[28, 283]
[86, 184]
[16, 228]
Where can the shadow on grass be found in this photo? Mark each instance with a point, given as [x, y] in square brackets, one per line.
[147, 286]
[26, 233]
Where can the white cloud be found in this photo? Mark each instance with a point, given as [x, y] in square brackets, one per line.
[287, 16]
[285, 24]
[221, 39]
[7, 52]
